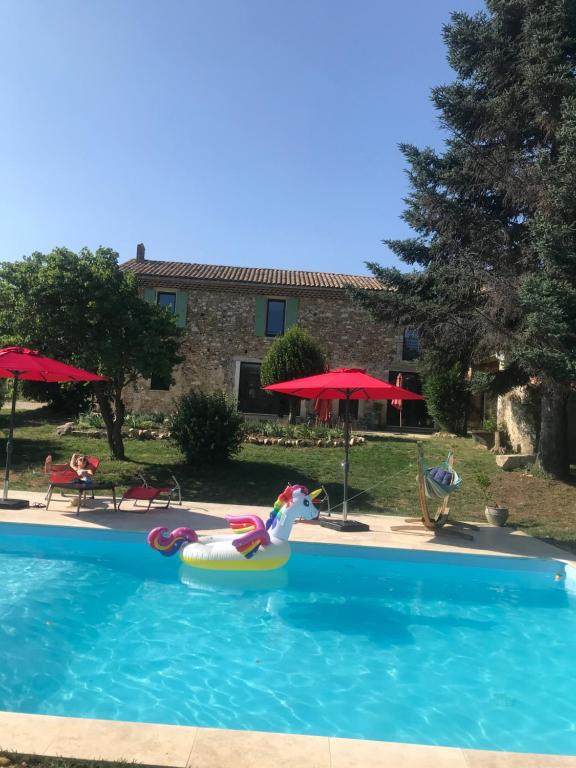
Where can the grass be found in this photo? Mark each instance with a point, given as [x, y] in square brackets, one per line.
[382, 472]
[39, 761]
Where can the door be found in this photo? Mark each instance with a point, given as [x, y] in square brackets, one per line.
[414, 412]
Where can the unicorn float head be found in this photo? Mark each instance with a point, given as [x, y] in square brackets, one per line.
[259, 547]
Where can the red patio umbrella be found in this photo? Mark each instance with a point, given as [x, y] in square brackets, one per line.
[21, 364]
[344, 384]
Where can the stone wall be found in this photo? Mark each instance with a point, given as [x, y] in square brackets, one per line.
[518, 419]
[521, 418]
[221, 333]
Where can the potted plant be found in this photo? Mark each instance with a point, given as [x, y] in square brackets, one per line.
[495, 513]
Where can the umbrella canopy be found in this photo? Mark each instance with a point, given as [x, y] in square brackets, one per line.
[23, 364]
[344, 384]
[28, 365]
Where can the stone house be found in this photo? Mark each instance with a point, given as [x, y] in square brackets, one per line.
[232, 315]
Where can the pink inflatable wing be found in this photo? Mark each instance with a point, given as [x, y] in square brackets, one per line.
[255, 536]
[245, 523]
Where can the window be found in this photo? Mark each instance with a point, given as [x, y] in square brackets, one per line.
[275, 314]
[160, 383]
[252, 398]
[410, 345]
[167, 300]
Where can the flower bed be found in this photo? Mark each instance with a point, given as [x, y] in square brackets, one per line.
[296, 435]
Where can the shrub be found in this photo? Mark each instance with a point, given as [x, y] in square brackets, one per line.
[490, 425]
[94, 420]
[447, 393]
[145, 420]
[90, 420]
[207, 428]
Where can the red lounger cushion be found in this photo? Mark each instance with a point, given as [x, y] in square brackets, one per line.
[142, 493]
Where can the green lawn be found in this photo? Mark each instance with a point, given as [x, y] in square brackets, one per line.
[384, 467]
[14, 760]
[382, 472]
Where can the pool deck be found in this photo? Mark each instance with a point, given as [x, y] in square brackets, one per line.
[190, 747]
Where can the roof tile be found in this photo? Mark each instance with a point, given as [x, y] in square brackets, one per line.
[263, 276]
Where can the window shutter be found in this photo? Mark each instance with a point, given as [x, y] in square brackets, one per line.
[150, 295]
[291, 317]
[260, 316]
[181, 308]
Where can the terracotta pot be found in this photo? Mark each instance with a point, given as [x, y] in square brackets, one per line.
[496, 515]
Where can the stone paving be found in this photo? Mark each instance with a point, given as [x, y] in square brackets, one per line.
[182, 747]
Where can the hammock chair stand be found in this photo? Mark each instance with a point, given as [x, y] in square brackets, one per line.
[436, 523]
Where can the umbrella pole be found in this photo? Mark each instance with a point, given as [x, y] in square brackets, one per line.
[9, 443]
[346, 449]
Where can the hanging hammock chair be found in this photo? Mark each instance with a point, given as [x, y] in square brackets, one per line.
[442, 480]
[437, 482]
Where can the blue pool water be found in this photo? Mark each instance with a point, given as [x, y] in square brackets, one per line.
[426, 648]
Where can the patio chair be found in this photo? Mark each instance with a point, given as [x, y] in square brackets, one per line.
[437, 482]
[150, 494]
[63, 473]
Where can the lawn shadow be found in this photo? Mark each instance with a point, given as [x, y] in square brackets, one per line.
[28, 453]
[246, 482]
[34, 418]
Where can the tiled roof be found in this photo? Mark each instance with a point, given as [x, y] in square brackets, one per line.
[249, 275]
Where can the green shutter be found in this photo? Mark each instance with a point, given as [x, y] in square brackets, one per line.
[150, 295]
[291, 316]
[181, 308]
[260, 316]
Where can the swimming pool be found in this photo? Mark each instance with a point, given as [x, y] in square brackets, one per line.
[355, 642]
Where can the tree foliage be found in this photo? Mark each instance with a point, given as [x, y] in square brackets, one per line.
[447, 393]
[81, 308]
[493, 214]
[291, 356]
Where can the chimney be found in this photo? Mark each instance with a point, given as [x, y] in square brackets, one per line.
[140, 252]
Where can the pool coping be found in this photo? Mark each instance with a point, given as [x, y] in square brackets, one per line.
[194, 747]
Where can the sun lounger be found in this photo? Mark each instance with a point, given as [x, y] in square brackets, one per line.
[150, 494]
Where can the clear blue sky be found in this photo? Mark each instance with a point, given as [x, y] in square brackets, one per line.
[243, 132]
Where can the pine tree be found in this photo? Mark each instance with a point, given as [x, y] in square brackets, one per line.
[495, 251]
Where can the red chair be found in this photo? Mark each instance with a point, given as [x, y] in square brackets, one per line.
[63, 473]
[150, 494]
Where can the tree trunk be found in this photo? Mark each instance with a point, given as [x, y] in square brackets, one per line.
[120, 414]
[113, 417]
[553, 444]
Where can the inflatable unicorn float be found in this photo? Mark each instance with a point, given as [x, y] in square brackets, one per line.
[259, 547]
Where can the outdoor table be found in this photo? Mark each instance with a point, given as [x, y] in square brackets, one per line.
[82, 488]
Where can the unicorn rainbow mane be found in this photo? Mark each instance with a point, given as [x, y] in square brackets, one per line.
[285, 499]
